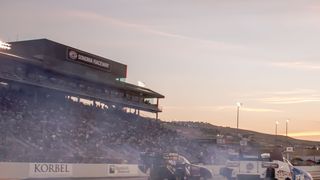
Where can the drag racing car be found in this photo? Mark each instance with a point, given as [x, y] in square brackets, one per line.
[249, 167]
[171, 166]
[299, 174]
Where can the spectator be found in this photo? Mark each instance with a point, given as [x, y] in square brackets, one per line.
[45, 126]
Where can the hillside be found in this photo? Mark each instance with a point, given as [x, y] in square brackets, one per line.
[200, 130]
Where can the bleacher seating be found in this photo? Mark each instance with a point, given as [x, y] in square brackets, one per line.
[50, 127]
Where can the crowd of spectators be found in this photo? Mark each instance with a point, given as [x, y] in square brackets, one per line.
[47, 126]
[42, 125]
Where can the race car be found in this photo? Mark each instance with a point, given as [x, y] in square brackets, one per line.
[248, 167]
[300, 174]
[171, 166]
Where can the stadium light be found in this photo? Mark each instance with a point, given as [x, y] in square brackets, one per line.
[4, 45]
[141, 84]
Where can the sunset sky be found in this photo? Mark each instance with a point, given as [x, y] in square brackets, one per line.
[204, 56]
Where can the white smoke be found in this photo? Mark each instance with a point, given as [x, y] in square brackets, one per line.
[4, 45]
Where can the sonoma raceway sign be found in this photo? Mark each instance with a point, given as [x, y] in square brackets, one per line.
[75, 55]
[50, 170]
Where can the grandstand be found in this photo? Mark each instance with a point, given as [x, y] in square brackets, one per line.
[62, 104]
[55, 66]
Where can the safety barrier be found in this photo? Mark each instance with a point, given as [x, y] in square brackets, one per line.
[62, 170]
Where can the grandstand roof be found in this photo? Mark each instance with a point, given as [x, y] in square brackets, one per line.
[63, 57]
[38, 51]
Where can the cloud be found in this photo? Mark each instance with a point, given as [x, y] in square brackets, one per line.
[294, 92]
[294, 96]
[149, 29]
[288, 97]
[248, 109]
[220, 108]
[304, 134]
[260, 110]
[289, 100]
[299, 65]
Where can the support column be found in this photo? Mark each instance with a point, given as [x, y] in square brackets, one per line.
[157, 114]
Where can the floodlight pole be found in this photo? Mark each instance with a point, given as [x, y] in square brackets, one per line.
[238, 117]
[287, 124]
[276, 130]
[238, 113]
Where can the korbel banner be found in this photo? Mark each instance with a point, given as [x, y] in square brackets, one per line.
[50, 170]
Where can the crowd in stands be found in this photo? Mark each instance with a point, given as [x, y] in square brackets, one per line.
[47, 126]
